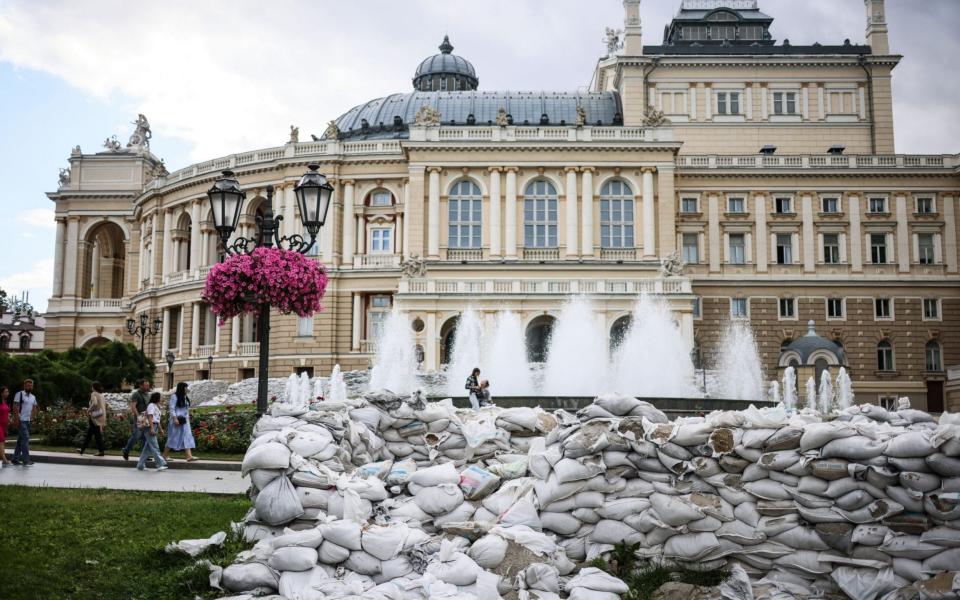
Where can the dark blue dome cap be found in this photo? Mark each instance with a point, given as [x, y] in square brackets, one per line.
[446, 63]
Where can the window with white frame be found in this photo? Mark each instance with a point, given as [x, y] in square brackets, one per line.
[736, 204]
[787, 308]
[831, 248]
[830, 205]
[697, 307]
[835, 308]
[377, 312]
[784, 103]
[878, 248]
[304, 326]
[842, 102]
[925, 206]
[887, 402]
[784, 248]
[783, 205]
[932, 353]
[616, 215]
[737, 248]
[691, 248]
[931, 309]
[673, 102]
[381, 198]
[540, 215]
[885, 356]
[464, 215]
[925, 249]
[728, 103]
[381, 241]
[738, 308]
[882, 308]
[877, 205]
[689, 205]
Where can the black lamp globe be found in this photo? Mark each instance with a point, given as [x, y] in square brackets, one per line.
[313, 196]
[131, 325]
[226, 203]
[157, 323]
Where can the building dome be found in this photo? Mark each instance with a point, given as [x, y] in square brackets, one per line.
[445, 71]
[811, 346]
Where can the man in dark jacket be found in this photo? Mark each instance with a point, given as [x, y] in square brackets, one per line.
[138, 406]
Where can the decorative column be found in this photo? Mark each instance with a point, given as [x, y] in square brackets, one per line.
[234, 335]
[586, 213]
[196, 237]
[361, 235]
[167, 261]
[95, 270]
[195, 329]
[165, 333]
[649, 216]
[573, 248]
[181, 345]
[357, 322]
[216, 335]
[72, 256]
[142, 256]
[58, 257]
[433, 213]
[510, 222]
[713, 232]
[348, 223]
[407, 214]
[761, 220]
[154, 246]
[327, 235]
[415, 214]
[495, 200]
[903, 235]
[856, 240]
[398, 244]
[666, 211]
[809, 252]
[949, 233]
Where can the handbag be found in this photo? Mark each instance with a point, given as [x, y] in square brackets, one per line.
[181, 420]
[96, 413]
[143, 421]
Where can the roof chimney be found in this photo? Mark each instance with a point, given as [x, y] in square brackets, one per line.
[632, 31]
[877, 27]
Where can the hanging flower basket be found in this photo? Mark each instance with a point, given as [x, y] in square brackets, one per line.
[286, 280]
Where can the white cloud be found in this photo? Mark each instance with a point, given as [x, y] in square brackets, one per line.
[37, 217]
[37, 280]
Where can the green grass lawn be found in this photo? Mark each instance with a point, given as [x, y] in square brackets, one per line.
[92, 450]
[70, 543]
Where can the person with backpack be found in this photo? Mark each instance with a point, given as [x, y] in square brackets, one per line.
[23, 404]
[473, 388]
[96, 419]
[4, 423]
[138, 406]
[151, 419]
[179, 433]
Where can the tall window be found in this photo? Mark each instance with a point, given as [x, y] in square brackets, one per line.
[697, 307]
[884, 356]
[784, 103]
[304, 326]
[691, 248]
[4, 342]
[834, 308]
[933, 357]
[616, 215]
[784, 205]
[465, 206]
[381, 240]
[830, 205]
[787, 308]
[736, 205]
[688, 205]
[931, 309]
[881, 308]
[738, 247]
[728, 103]
[924, 206]
[381, 198]
[925, 248]
[784, 249]
[738, 308]
[878, 248]
[24, 342]
[377, 314]
[877, 205]
[831, 248]
[540, 215]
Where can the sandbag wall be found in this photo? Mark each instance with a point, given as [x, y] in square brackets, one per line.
[397, 498]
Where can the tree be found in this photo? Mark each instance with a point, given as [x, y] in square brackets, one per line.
[3, 301]
[114, 364]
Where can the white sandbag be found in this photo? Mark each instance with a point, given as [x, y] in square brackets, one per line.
[332, 554]
[853, 448]
[614, 532]
[369, 488]
[272, 455]
[692, 434]
[241, 577]
[394, 568]
[740, 533]
[912, 444]
[942, 505]
[596, 580]
[293, 558]
[314, 498]
[582, 593]
[943, 465]
[543, 577]
[562, 523]
[306, 538]
[690, 546]
[864, 584]
[348, 502]
[489, 551]
[800, 537]
[432, 476]
[362, 563]
[946, 537]
[308, 443]
[585, 467]
[944, 561]
[919, 482]
[523, 512]
[261, 477]
[384, 543]
[620, 509]
[400, 472]
[462, 513]
[439, 499]
[455, 568]
[380, 470]
[278, 503]
[551, 490]
[298, 585]
[342, 533]
[675, 511]
[477, 483]
[909, 546]
[194, 548]
[869, 535]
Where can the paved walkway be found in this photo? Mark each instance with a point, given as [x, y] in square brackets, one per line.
[84, 476]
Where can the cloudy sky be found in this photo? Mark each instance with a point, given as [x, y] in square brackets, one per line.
[219, 76]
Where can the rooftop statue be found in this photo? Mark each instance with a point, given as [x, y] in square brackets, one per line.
[427, 117]
[671, 265]
[332, 132]
[655, 118]
[112, 144]
[64, 177]
[294, 134]
[612, 40]
[502, 119]
[140, 138]
[581, 116]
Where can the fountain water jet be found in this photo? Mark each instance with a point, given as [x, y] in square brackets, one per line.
[577, 359]
[505, 358]
[775, 391]
[826, 392]
[653, 359]
[395, 362]
[811, 399]
[338, 387]
[844, 390]
[741, 374]
[790, 388]
[466, 352]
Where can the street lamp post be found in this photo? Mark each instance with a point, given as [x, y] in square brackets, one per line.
[226, 201]
[170, 357]
[210, 367]
[698, 350]
[143, 330]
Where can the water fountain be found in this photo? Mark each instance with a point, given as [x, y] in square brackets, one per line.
[303, 391]
[811, 399]
[775, 391]
[826, 392]
[577, 359]
[395, 362]
[467, 342]
[844, 390]
[505, 358]
[291, 389]
[338, 387]
[741, 375]
[790, 388]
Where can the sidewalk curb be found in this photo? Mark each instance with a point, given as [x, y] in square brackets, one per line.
[40, 456]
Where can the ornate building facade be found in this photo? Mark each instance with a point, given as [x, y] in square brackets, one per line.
[768, 168]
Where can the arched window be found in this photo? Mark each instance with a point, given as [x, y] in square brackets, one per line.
[820, 365]
[616, 215]
[884, 356]
[933, 357]
[380, 198]
[4, 342]
[465, 204]
[24, 342]
[540, 215]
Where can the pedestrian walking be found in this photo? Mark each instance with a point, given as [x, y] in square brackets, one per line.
[138, 406]
[4, 423]
[484, 395]
[473, 388]
[23, 404]
[96, 419]
[179, 433]
[150, 433]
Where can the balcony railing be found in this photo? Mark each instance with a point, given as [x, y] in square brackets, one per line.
[496, 287]
[248, 348]
[103, 305]
[205, 351]
[541, 254]
[377, 261]
[819, 161]
[464, 254]
[618, 254]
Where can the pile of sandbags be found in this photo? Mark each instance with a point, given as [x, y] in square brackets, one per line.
[400, 498]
